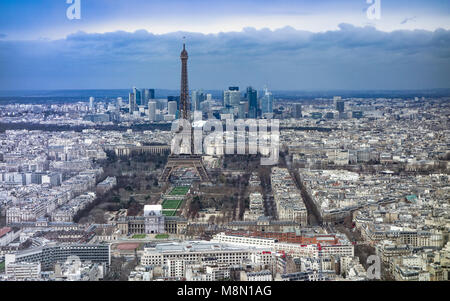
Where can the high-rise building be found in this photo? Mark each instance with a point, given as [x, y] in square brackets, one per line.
[91, 103]
[196, 99]
[297, 111]
[267, 102]
[119, 102]
[340, 104]
[231, 97]
[147, 94]
[152, 110]
[242, 109]
[172, 108]
[137, 96]
[252, 102]
[132, 103]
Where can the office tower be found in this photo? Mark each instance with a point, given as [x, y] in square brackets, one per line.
[242, 109]
[172, 108]
[176, 99]
[252, 100]
[147, 94]
[208, 97]
[297, 111]
[197, 98]
[340, 104]
[137, 96]
[91, 103]
[132, 103]
[231, 97]
[119, 102]
[267, 102]
[152, 110]
[151, 93]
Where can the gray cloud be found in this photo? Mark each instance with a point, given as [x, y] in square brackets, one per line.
[348, 58]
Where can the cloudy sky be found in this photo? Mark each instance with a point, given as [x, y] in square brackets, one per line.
[285, 44]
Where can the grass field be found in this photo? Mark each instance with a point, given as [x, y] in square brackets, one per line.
[179, 190]
[162, 236]
[169, 212]
[139, 236]
[171, 204]
[2, 266]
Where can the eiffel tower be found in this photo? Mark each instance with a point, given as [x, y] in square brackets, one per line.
[177, 161]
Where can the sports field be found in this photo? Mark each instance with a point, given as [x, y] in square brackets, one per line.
[179, 190]
[139, 236]
[171, 204]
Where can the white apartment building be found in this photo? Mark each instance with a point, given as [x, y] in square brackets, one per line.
[23, 270]
[196, 251]
[309, 250]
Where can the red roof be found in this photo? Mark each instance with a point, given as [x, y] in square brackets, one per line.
[4, 231]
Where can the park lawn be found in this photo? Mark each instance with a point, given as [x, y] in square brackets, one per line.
[179, 190]
[169, 212]
[162, 236]
[171, 204]
[139, 236]
[2, 266]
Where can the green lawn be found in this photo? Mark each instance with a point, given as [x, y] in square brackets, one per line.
[2, 266]
[171, 204]
[162, 236]
[169, 212]
[179, 190]
[139, 236]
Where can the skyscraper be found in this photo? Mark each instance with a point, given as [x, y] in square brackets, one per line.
[147, 95]
[232, 97]
[172, 108]
[267, 102]
[132, 103]
[184, 95]
[152, 110]
[340, 104]
[297, 111]
[119, 102]
[252, 102]
[242, 109]
[137, 96]
[91, 103]
[197, 98]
